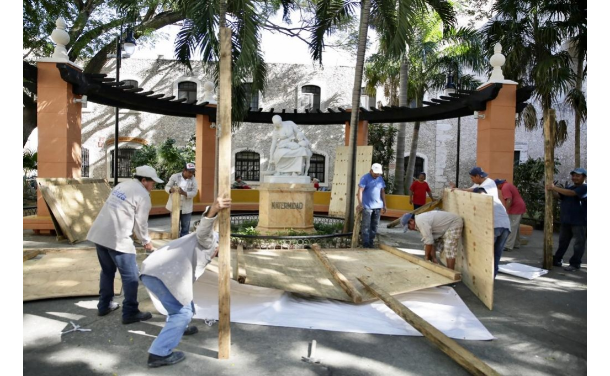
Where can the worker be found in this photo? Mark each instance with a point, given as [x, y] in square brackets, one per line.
[185, 184]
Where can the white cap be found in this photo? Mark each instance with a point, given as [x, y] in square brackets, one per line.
[376, 167]
[148, 172]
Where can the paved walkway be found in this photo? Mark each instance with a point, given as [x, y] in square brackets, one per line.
[540, 328]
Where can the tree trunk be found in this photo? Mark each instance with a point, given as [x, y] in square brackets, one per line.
[351, 155]
[399, 172]
[579, 74]
[413, 152]
[549, 167]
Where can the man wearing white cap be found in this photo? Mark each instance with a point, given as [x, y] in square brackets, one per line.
[371, 200]
[183, 182]
[124, 212]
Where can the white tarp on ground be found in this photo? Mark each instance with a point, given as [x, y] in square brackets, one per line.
[522, 270]
[441, 307]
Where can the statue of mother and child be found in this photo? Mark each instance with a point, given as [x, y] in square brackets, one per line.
[290, 150]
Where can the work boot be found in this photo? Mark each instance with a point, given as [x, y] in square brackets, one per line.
[113, 306]
[158, 361]
[190, 330]
[140, 316]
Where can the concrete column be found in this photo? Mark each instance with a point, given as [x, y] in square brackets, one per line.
[59, 129]
[496, 134]
[205, 158]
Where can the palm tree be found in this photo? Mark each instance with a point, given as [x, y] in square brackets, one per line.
[532, 32]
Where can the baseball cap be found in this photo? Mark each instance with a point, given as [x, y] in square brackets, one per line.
[477, 171]
[190, 166]
[500, 181]
[579, 171]
[404, 220]
[376, 167]
[148, 172]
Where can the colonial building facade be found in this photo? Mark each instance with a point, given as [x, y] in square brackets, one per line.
[290, 86]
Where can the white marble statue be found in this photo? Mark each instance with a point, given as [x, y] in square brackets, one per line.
[290, 153]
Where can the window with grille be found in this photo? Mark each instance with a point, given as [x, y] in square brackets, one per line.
[251, 96]
[315, 90]
[133, 83]
[419, 166]
[317, 167]
[187, 90]
[248, 165]
[84, 167]
[125, 156]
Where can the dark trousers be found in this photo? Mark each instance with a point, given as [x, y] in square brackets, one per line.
[185, 223]
[500, 236]
[110, 261]
[566, 233]
[368, 226]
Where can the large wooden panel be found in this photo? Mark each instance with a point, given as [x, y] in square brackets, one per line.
[301, 271]
[364, 158]
[476, 261]
[63, 273]
[74, 203]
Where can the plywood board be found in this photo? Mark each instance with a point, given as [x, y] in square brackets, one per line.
[476, 259]
[74, 203]
[63, 273]
[301, 271]
[364, 158]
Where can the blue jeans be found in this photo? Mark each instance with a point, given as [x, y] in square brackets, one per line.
[368, 227]
[500, 237]
[110, 261]
[185, 223]
[178, 317]
[566, 233]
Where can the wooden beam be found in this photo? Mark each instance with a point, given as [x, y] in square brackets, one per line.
[241, 265]
[28, 254]
[345, 284]
[175, 231]
[224, 190]
[449, 273]
[462, 356]
[549, 166]
[356, 231]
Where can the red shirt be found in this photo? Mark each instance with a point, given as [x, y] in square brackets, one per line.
[419, 192]
[518, 205]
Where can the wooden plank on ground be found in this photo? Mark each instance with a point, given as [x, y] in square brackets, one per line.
[449, 273]
[61, 273]
[422, 209]
[462, 356]
[74, 203]
[29, 254]
[364, 157]
[476, 259]
[337, 275]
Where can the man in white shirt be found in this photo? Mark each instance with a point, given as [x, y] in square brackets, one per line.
[440, 230]
[183, 182]
[124, 212]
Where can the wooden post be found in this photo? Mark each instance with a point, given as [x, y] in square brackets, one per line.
[549, 172]
[175, 215]
[462, 356]
[224, 189]
[356, 231]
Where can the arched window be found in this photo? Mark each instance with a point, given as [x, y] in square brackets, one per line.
[317, 167]
[125, 155]
[419, 166]
[315, 90]
[251, 96]
[248, 165]
[133, 83]
[188, 90]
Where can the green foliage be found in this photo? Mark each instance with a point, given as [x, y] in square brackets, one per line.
[382, 137]
[328, 229]
[30, 161]
[528, 177]
[167, 159]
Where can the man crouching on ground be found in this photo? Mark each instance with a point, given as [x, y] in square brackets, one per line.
[169, 274]
[440, 231]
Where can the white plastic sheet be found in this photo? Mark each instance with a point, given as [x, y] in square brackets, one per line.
[522, 270]
[441, 307]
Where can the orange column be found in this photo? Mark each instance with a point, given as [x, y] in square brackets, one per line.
[496, 134]
[59, 129]
[205, 158]
[362, 137]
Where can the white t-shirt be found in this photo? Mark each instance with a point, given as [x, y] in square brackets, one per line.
[500, 216]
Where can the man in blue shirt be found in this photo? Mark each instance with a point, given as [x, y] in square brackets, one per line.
[371, 200]
[573, 218]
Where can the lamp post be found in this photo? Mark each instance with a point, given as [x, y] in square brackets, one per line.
[128, 46]
[450, 87]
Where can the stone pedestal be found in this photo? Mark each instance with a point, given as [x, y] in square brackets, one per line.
[285, 206]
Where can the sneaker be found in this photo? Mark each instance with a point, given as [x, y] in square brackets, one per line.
[113, 306]
[140, 316]
[570, 268]
[507, 250]
[190, 330]
[557, 263]
[158, 361]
